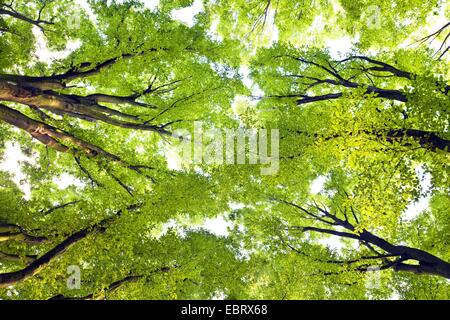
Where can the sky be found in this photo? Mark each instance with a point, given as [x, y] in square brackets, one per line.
[13, 160]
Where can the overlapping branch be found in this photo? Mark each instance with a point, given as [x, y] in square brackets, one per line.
[112, 287]
[13, 232]
[39, 94]
[393, 257]
[37, 265]
[443, 48]
[426, 139]
[369, 68]
[8, 10]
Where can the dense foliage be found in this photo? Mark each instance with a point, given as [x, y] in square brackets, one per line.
[96, 98]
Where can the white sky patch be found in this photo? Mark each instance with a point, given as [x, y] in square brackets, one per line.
[218, 295]
[12, 163]
[65, 180]
[44, 54]
[161, 230]
[173, 158]
[336, 243]
[275, 35]
[87, 8]
[217, 226]
[416, 207]
[244, 72]
[187, 15]
[236, 205]
[333, 243]
[317, 24]
[341, 47]
[395, 296]
[150, 4]
[318, 184]
[13, 160]
[213, 32]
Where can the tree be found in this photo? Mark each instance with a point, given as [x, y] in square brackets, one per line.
[80, 111]
[92, 103]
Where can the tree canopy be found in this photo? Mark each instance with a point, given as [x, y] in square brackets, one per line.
[97, 98]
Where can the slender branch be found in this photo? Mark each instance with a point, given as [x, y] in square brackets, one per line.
[86, 172]
[14, 14]
[338, 80]
[10, 231]
[326, 231]
[426, 139]
[111, 288]
[431, 37]
[60, 206]
[382, 66]
[22, 237]
[4, 256]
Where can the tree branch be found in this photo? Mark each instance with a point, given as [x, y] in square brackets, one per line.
[60, 206]
[111, 288]
[427, 263]
[36, 266]
[14, 14]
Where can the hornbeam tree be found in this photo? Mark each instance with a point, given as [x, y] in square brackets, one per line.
[376, 126]
[95, 204]
[32, 268]
[102, 115]
[131, 250]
